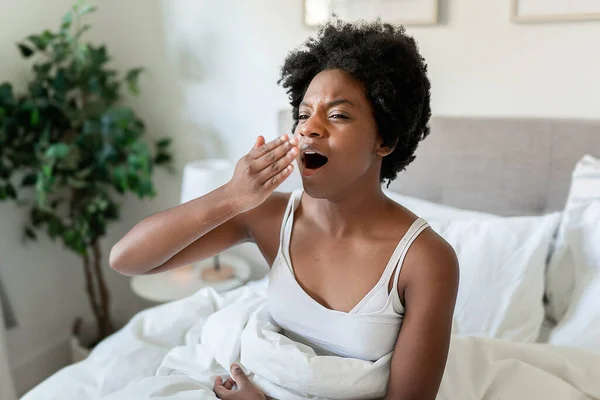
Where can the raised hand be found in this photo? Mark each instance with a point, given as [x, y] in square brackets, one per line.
[262, 170]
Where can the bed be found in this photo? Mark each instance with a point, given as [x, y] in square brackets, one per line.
[492, 175]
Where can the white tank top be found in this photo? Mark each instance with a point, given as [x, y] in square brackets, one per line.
[368, 331]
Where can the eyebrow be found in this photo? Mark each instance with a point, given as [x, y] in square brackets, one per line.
[332, 103]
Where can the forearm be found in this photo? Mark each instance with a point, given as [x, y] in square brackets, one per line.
[159, 237]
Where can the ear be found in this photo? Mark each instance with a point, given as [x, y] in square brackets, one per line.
[382, 150]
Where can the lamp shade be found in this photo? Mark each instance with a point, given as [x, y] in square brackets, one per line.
[202, 177]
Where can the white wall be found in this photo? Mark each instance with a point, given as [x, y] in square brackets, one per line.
[211, 84]
[480, 63]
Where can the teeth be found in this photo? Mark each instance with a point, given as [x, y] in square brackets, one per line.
[310, 152]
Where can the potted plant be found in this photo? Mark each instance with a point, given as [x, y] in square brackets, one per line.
[71, 142]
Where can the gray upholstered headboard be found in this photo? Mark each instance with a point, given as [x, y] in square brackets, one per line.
[505, 166]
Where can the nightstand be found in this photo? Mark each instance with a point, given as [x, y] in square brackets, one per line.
[185, 281]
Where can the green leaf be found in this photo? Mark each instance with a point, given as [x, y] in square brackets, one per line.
[163, 143]
[10, 191]
[29, 233]
[162, 158]
[6, 93]
[57, 151]
[119, 177]
[35, 117]
[91, 126]
[67, 20]
[55, 227]
[25, 51]
[40, 186]
[146, 189]
[132, 78]
[108, 154]
[120, 116]
[86, 9]
[71, 238]
[43, 69]
[81, 53]
[102, 204]
[37, 217]
[38, 89]
[41, 41]
[46, 171]
[59, 83]
[29, 179]
[98, 55]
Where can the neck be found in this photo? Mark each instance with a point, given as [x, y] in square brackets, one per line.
[347, 212]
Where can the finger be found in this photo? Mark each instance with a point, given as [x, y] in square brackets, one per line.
[218, 381]
[278, 165]
[274, 181]
[273, 156]
[221, 392]
[260, 140]
[264, 148]
[239, 376]
[229, 383]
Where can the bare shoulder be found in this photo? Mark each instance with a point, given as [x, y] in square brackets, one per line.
[429, 258]
[431, 264]
[272, 209]
[435, 254]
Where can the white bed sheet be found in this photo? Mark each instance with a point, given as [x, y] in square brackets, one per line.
[176, 350]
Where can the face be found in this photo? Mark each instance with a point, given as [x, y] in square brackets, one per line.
[340, 149]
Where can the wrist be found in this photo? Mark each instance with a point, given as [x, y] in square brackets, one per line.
[234, 201]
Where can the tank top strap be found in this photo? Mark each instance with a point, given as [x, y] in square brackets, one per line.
[413, 232]
[395, 260]
[287, 220]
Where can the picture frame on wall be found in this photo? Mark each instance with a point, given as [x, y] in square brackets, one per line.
[401, 12]
[526, 11]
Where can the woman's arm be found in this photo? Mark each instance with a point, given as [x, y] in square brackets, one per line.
[205, 226]
[429, 297]
[150, 244]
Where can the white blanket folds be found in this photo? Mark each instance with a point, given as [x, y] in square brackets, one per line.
[176, 350]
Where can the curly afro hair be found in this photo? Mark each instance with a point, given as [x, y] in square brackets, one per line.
[387, 61]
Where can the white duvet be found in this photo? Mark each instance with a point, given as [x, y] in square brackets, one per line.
[176, 350]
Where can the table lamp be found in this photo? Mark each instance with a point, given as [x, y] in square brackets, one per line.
[200, 178]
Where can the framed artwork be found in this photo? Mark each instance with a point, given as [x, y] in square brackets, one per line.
[404, 12]
[555, 10]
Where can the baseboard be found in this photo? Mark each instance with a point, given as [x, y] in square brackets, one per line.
[34, 370]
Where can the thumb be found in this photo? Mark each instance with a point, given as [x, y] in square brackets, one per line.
[259, 142]
[239, 376]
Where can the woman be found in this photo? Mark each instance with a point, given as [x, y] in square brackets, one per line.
[349, 264]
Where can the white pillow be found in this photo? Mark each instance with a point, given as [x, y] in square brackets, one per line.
[427, 209]
[502, 267]
[560, 279]
[580, 326]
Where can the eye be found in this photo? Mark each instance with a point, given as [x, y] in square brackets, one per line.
[302, 117]
[338, 116]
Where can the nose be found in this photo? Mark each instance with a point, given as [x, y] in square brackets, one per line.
[312, 127]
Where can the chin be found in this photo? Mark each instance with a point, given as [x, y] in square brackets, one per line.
[314, 190]
[324, 188]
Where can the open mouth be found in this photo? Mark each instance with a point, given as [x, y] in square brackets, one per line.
[313, 160]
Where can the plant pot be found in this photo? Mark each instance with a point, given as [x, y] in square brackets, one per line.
[78, 351]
